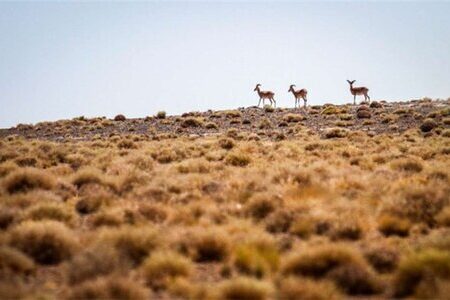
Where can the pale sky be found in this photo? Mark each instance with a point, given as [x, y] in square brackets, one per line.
[62, 60]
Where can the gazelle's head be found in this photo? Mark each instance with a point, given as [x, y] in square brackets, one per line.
[291, 88]
[257, 87]
[351, 82]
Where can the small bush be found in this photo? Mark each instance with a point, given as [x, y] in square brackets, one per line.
[134, 243]
[348, 229]
[237, 159]
[256, 259]
[318, 261]
[303, 227]
[161, 115]
[428, 125]
[345, 117]
[279, 221]
[47, 242]
[120, 118]
[363, 114]
[50, 211]
[226, 143]
[27, 179]
[265, 124]
[260, 206]
[13, 261]
[192, 122]
[293, 118]
[269, 108]
[153, 212]
[89, 204]
[89, 176]
[375, 104]
[330, 133]
[109, 288]
[293, 288]
[343, 265]
[330, 110]
[92, 263]
[408, 165]
[383, 258]
[244, 288]
[429, 264]
[211, 125]
[393, 225]
[107, 218]
[7, 217]
[161, 268]
[207, 245]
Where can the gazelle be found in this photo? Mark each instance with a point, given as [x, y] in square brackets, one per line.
[358, 91]
[265, 95]
[300, 94]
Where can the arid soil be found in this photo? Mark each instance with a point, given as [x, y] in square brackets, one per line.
[332, 202]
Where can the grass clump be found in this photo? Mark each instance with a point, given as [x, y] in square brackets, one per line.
[109, 288]
[237, 159]
[161, 115]
[293, 288]
[443, 218]
[207, 245]
[47, 242]
[162, 268]
[417, 274]
[133, 243]
[260, 206]
[211, 125]
[226, 143]
[346, 267]
[330, 133]
[155, 213]
[383, 258]
[393, 225]
[256, 258]
[89, 175]
[293, 118]
[92, 263]
[28, 179]
[120, 118]
[13, 261]
[428, 125]
[409, 165]
[244, 288]
[50, 211]
[191, 122]
[269, 108]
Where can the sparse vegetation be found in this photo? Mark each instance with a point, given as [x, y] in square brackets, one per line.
[237, 204]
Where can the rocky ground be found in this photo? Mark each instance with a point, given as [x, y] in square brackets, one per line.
[378, 117]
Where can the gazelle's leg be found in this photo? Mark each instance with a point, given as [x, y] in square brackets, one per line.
[274, 102]
[259, 102]
[368, 97]
[354, 99]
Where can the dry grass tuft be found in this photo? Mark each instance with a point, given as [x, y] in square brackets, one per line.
[28, 179]
[244, 288]
[417, 274]
[92, 263]
[133, 243]
[293, 288]
[47, 242]
[257, 258]
[13, 261]
[343, 265]
[109, 288]
[162, 268]
[393, 225]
